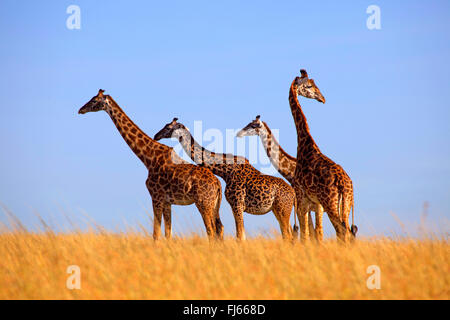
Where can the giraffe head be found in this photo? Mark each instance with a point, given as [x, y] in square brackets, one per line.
[254, 128]
[169, 130]
[307, 88]
[97, 103]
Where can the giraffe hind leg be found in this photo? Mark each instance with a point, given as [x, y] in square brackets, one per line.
[283, 216]
[157, 215]
[312, 231]
[167, 214]
[319, 223]
[338, 225]
[302, 215]
[207, 211]
[350, 231]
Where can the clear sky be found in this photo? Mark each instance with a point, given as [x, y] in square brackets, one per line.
[386, 119]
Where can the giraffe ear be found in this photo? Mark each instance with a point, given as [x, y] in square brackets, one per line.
[303, 73]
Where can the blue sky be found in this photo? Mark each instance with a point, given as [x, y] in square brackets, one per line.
[385, 120]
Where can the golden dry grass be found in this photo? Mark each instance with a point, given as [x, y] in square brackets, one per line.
[133, 266]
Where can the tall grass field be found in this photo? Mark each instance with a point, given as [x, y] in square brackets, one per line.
[132, 265]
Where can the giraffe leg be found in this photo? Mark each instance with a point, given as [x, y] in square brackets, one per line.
[346, 207]
[302, 214]
[319, 225]
[158, 208]
[332, 206]
[218, 228]
[213, 225]
[283, 217]
[339, 219]
[282, 208]
[304, 231]
[238, 213]
[209, 224]
[218, 222]
[312, 231]
[207, 213]
[336, 222]
[286, 230]
[167, 213]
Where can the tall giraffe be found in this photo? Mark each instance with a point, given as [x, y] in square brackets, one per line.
[280, 159]
[171, 180]
[247, 189]
[317, 178]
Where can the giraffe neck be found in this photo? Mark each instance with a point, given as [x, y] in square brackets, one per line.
[152, 153]
[280, 159]
[220, 164]
[305, 142]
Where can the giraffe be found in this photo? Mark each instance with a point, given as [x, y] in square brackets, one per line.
[171, 180]
[317, 178]
[247, 189]
[280, 159]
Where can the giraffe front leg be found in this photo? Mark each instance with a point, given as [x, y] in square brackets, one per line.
[235, 196]
[167, 213]
[239, 220]
[238, 213]
[302, 214]
[312, 231]
[319, 224]
[304, 230]
[158, 208]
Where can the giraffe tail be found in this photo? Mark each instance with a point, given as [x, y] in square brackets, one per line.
[341, 208]
[218, 222]
[353, 228]
[295, 228]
